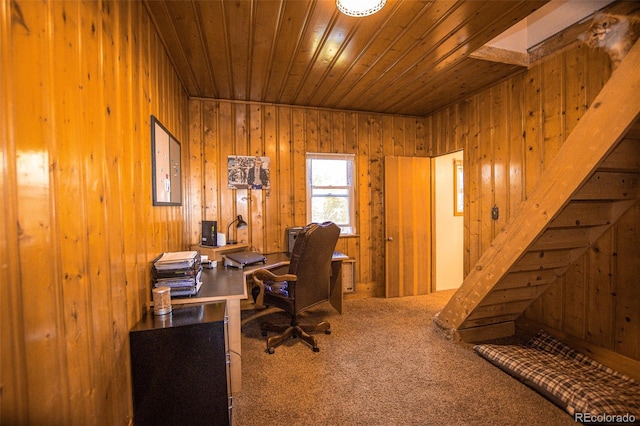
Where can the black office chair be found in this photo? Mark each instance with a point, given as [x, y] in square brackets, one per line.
[306, 284]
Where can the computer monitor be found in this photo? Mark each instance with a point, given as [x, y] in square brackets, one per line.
[290, 236]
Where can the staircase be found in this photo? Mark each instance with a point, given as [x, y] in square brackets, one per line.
[593, 180]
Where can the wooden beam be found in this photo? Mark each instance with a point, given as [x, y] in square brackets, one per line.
[494, 54]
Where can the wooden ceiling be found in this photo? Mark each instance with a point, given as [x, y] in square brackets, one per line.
[411, 58]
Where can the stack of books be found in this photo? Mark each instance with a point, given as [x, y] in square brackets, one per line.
[180, 271]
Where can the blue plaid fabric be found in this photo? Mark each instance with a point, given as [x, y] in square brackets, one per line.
[572, 380]
[280, 288]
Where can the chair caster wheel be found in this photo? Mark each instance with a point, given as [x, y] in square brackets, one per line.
[316, 349]
[270, 351]
[327, 332]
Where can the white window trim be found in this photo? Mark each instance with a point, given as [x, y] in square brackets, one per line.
[351, 187]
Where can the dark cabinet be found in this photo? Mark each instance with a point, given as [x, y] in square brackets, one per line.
[179, 367]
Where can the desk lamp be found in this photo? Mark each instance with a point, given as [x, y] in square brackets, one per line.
[241, 225]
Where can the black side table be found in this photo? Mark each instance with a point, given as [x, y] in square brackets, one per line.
[179, 368]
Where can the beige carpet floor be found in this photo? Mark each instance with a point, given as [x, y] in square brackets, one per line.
[385, 363]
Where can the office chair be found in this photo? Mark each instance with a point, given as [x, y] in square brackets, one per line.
[306, 284]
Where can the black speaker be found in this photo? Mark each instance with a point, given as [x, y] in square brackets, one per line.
[209, 233]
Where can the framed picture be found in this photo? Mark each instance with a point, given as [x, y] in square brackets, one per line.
[248, 172]
[166, 167]
[458, 188]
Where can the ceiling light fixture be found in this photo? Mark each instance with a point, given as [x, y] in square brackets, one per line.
[359, 8]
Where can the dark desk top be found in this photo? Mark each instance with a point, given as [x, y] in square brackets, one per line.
[182, 315]
[229, 283]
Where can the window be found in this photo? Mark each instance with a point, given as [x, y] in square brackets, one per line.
[330, 190]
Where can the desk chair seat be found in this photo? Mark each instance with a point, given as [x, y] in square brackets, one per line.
[305, 284]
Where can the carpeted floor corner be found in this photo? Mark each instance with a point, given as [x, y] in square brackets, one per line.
[384, 363]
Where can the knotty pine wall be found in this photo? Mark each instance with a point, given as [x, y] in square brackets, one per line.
[510, 134]
[79, 83]
[284, 134]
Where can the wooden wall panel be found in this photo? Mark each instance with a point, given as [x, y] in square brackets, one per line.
[471, 159]
[34, 219]
[72, 267]
[516, 141]
[80, 81]
[370, 206]
[285, 134]
[626, 320]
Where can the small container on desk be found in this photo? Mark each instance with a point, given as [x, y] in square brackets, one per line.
[161, 300]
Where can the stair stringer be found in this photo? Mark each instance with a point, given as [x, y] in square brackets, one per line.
[611, 115]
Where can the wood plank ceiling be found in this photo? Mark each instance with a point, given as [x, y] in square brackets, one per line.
[411, 58]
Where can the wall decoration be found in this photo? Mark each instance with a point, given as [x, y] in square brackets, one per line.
[248, 172]
[166, 166]
[458, 188]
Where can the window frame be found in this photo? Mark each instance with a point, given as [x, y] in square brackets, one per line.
[350, 187]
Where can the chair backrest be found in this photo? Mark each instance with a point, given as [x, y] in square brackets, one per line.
[311, 262]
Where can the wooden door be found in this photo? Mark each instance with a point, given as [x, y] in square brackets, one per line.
[407, 206]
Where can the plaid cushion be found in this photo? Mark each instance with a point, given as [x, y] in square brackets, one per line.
[572, 380]
[547, 343]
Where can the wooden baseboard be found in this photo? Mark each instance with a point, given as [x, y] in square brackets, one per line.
[363, 290]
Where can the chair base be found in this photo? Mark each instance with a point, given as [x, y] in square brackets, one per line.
[293, 330]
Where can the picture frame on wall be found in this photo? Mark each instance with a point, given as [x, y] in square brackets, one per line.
[166, 166]
[458, 188]
[248, 172]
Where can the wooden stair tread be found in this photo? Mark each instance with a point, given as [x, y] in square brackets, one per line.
[563, 238]
[609, 186]
[520, 279]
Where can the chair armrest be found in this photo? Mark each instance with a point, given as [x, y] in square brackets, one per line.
[262, 275]
[267, 275]
[259, 299]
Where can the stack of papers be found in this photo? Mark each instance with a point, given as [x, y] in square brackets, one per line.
[181, 271]
[176, 260]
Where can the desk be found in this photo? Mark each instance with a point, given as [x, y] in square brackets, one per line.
[230, 284]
